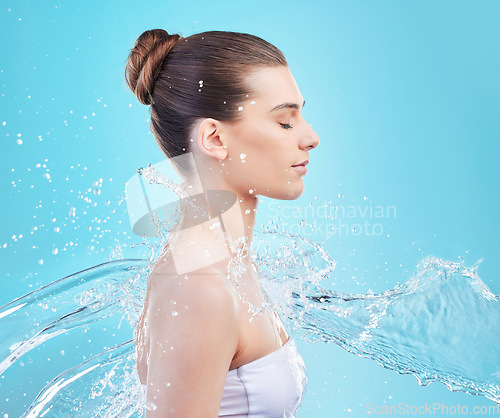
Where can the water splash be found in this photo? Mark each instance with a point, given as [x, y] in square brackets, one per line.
[439, 326]
[74, 301]
[105, 384]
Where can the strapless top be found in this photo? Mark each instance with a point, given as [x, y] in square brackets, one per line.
[270, 387]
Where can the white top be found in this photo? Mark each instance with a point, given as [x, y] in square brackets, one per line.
[271, 386]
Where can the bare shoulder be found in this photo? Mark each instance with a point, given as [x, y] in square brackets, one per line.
[195, 294]
[193, 326]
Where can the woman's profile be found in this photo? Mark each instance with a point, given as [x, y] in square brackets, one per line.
[226, 110]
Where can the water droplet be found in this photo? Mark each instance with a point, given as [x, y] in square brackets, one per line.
[243, 156]
[175, 313]
[240, 108]
[302, 223]
[250, 191]
[252, 102]
[55, 251]
[19, 141]
[247, 212]
[40, 261]
[151, 406]
[47, 176]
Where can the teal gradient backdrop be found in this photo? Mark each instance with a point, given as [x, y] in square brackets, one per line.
[404, 95]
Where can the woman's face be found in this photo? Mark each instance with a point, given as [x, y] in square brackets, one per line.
[270, 139]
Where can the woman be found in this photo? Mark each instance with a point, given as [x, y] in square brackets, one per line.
[226, 110]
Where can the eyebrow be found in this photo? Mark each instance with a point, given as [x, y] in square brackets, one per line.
[287, 105]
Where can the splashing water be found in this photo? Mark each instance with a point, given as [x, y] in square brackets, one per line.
[436, 326]
[439, 325]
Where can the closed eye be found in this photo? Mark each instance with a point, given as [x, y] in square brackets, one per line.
[286, 126]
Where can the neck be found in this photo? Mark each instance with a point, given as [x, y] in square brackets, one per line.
[215, 224]
[239, 222]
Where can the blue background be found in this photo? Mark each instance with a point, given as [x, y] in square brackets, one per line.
[404, 95]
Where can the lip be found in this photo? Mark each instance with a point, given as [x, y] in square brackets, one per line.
[301, 168]
[305, 162]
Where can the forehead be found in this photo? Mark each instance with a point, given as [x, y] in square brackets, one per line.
[274, 85]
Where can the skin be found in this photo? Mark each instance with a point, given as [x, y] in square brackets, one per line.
[195, 325]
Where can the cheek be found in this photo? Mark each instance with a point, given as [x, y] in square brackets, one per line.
[261, 159]
[256, 146]
[268, 158]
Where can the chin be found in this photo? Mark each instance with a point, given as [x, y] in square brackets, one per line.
[297, 195]
[290, 194]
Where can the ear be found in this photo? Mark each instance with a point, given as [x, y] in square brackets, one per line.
[209, 139]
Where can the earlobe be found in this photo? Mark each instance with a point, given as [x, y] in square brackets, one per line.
[210, 139]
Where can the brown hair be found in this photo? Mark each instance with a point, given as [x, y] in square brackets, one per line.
[201, 76]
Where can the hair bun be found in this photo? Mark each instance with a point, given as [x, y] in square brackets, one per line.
[145, 61]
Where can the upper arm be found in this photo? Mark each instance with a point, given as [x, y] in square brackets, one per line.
[193, 336]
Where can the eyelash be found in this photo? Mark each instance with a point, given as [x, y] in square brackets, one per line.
[286, 126]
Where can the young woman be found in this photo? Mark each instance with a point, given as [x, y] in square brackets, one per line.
[226, 110]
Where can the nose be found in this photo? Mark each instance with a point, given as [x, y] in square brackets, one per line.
[310, 138]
